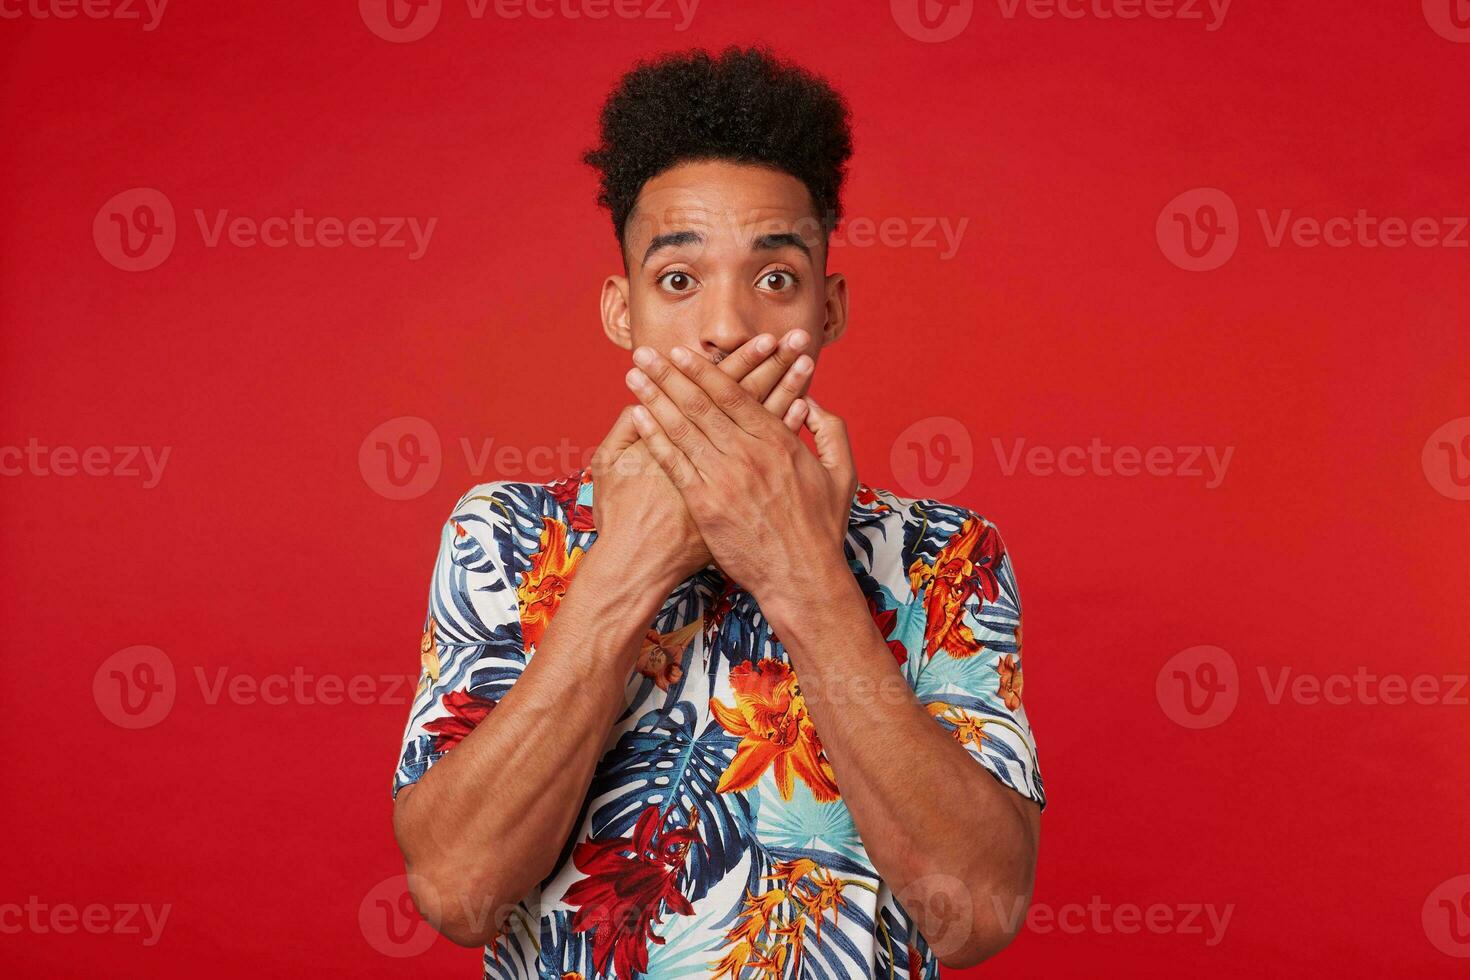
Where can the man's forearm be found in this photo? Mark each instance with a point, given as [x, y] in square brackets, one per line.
[488, 820]
[932, 821]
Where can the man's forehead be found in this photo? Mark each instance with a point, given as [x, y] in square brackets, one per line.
[715, 201]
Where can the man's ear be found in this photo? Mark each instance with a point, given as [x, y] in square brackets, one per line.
[615, 319]
[836, 308]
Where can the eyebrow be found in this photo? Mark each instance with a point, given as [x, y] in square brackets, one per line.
[672, 240]
[763, 243]
[781, 239]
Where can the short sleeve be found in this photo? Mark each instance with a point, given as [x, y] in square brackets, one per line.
[471, 650]
[970, 675]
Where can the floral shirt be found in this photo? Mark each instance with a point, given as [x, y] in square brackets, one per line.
[714, 841]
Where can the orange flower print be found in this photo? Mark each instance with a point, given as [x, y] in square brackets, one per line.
[965, 567]
[428, 655]
[775, 732]
[811, 891]
[1010, 681]
[662, 655]
[542, 587]
[967, 728]
[745, 936]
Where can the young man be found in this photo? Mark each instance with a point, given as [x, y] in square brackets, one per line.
[610, 769]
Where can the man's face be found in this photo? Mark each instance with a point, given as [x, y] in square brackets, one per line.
[718, 252]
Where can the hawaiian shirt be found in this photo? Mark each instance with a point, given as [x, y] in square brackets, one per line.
[714, 840]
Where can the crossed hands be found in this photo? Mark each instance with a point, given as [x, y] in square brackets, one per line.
[710, 466]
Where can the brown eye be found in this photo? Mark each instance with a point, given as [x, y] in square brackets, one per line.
[777, 281]
[677, 282]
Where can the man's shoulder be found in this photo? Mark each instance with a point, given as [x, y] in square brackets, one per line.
[916, 528]
[519, 514]
[931, 517]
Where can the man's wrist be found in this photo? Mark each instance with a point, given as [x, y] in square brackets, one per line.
[818, 591]
[622, 573]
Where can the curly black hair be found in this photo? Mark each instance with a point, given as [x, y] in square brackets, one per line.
[746, 106]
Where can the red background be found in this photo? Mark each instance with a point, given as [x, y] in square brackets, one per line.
[265, 548]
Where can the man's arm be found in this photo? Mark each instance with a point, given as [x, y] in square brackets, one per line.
[486, 823]
[955, 845]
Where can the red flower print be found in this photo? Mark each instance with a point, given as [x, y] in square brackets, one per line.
[465, 712]
[886, 620]
[866, 496]
[629, 881]
[965, 567]
[579, 516]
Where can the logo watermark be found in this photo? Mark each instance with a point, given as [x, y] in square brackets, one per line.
[1099, 917]
[934, 21]
[138, 687]
[1446, 917]
[1198, 687]
[390, 922]
[406, 21]
[1200, 230]
[1446, 459]
[118, 462]
[136, 230]
[1098, 458]
[1450, 19]
[403, 458]
[933, 457]
[40, 918]
[149, 13]
[1201, 686]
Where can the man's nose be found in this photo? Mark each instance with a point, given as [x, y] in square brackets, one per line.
[728, 323]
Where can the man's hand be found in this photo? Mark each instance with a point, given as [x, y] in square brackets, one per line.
[770, 512]
[634, 497]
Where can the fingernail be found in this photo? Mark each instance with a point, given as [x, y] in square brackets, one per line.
[765, 343]
[643, 356]
[802, 365]
[637, 378]
[679, 356]
[799, 339]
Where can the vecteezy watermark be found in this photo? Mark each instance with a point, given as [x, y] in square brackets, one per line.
[402, 458]
[137, 687]
[64, 919]
[1100, 459]
[149, 12]
[1363, 686]
[389, 921]
[121, 462]
[943, 909]
[932, 21]
[1450, 19]
[404, 21]
[1446, 459]
[933, 457]
[1446, 917]
[1206, 920]
[392, 915]
[942, 234]
[1200, 687]
[136, 230]
[1200, 230]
